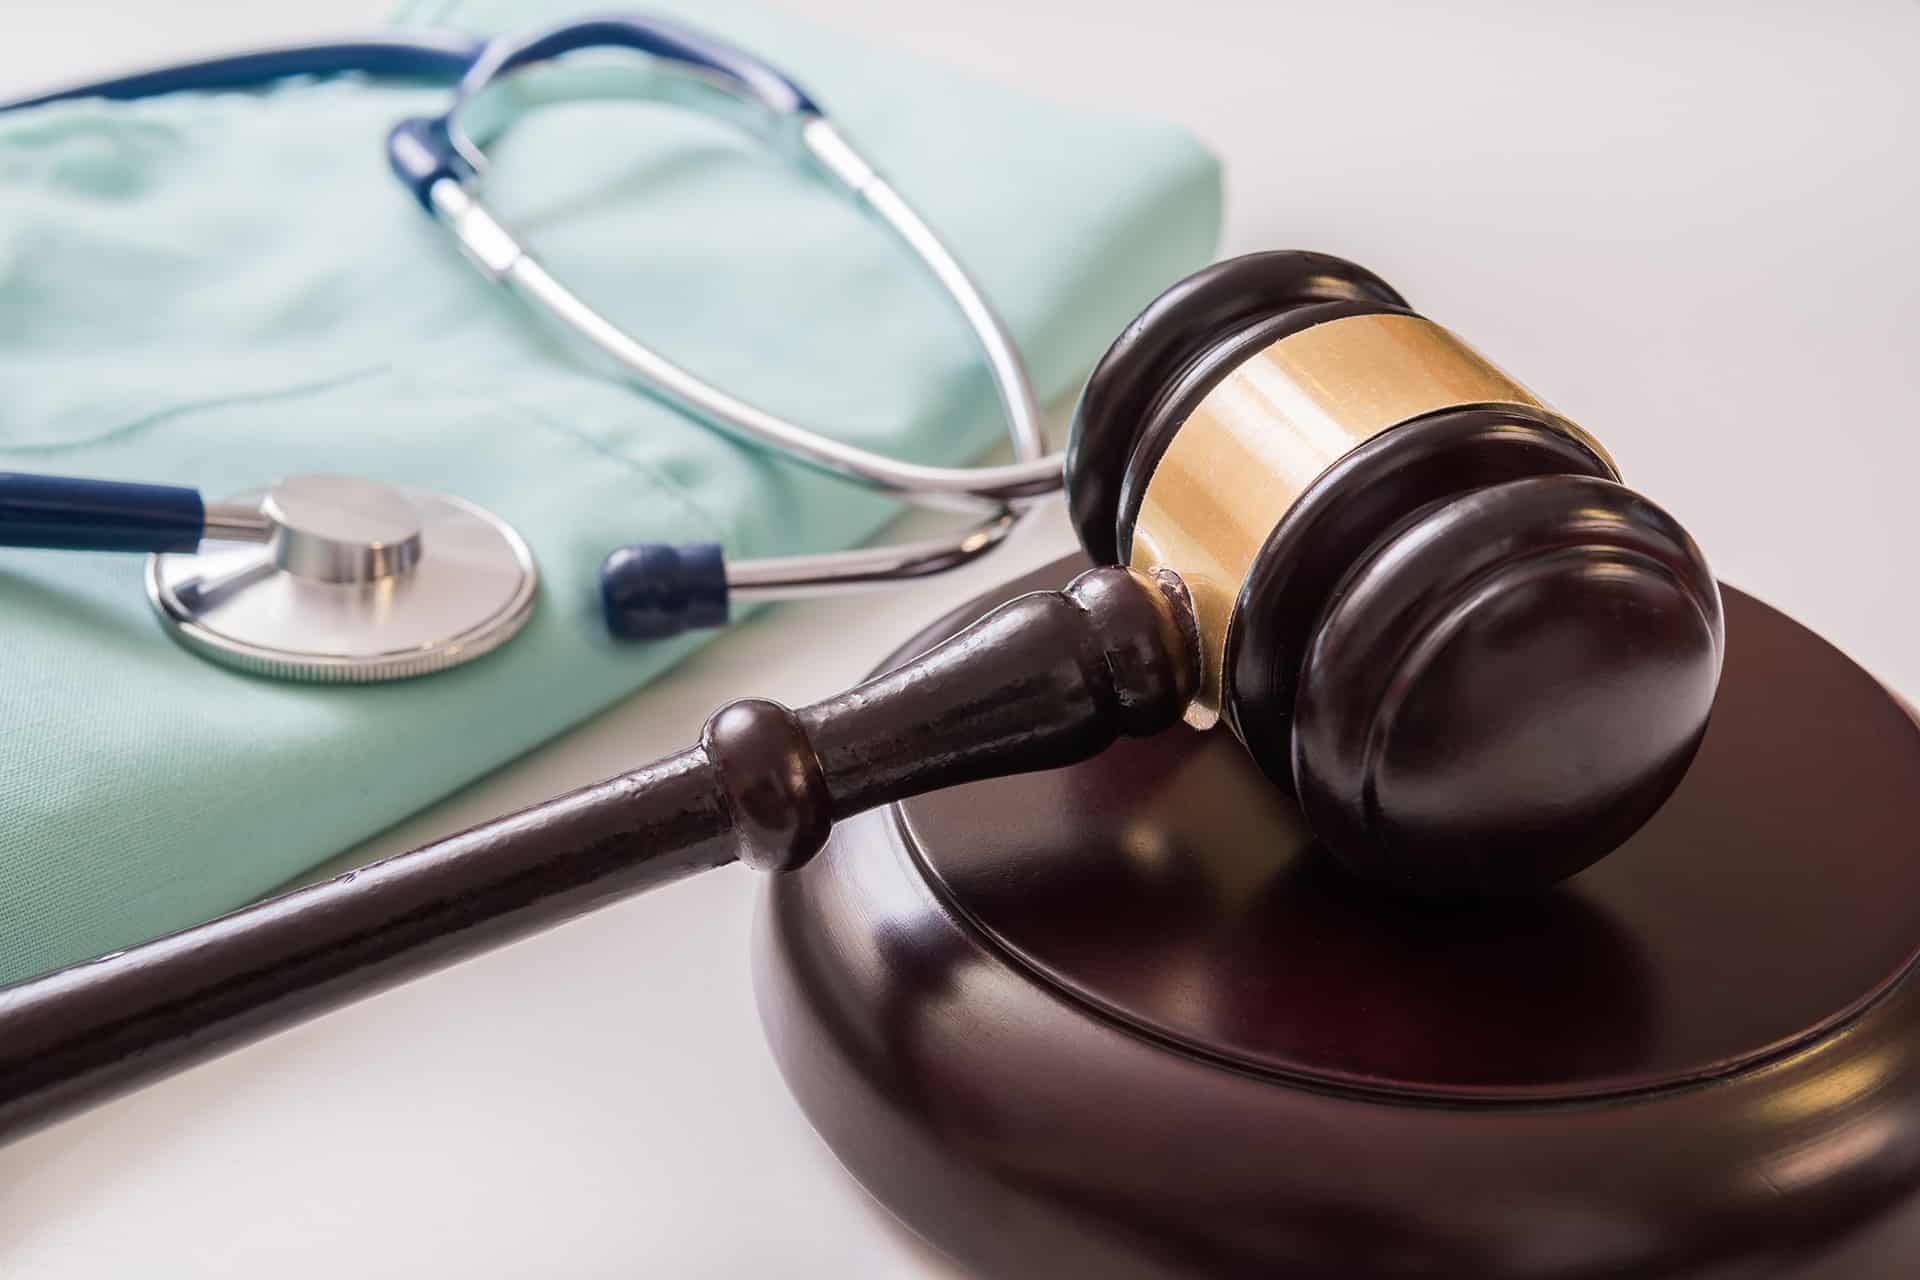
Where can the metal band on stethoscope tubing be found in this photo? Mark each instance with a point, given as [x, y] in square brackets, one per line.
[442, 162]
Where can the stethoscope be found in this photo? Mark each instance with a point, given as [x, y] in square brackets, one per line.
[340, 578]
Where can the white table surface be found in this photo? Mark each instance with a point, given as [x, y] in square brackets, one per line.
[1695, 228]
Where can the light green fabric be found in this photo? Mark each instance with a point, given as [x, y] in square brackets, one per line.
[219, 289]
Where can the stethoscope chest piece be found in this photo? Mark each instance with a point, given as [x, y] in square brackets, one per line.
[348, 581]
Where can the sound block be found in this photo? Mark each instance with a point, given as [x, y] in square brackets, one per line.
[1124, 1020]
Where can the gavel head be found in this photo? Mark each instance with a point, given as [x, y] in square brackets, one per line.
[1422, 599]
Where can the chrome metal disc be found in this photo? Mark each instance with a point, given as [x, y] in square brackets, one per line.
[360, 582]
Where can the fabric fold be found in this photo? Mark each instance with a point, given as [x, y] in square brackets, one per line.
[218, 289]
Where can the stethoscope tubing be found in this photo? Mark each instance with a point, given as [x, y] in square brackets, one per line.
[438, 56]
[444, 166]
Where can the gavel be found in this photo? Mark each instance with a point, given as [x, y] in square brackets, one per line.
[1420, 598]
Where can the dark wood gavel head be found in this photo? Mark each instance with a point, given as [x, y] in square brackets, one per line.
[1422, 599]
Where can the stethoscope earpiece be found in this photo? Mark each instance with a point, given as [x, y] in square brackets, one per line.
[651, 591]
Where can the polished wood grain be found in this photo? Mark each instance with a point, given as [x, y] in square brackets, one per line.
[1424, 602]
[1126, 1019]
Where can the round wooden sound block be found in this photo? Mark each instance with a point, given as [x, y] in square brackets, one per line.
[1124, 1020]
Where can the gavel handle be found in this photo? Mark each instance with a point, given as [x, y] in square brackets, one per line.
[1043, 681]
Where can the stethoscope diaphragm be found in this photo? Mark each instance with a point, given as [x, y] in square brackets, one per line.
[355, 582]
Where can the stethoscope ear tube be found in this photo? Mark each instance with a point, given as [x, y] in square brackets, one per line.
[743, 74]
[444, 169]
[420, 154]
[427, 55]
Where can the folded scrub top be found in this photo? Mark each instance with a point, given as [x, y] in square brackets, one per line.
[217, 289]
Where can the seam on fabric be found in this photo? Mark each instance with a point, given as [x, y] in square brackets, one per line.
[135, 426]
[659, 480]
[673, 489]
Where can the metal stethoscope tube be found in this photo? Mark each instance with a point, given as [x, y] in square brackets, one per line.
[653, 590]
[444, 164]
